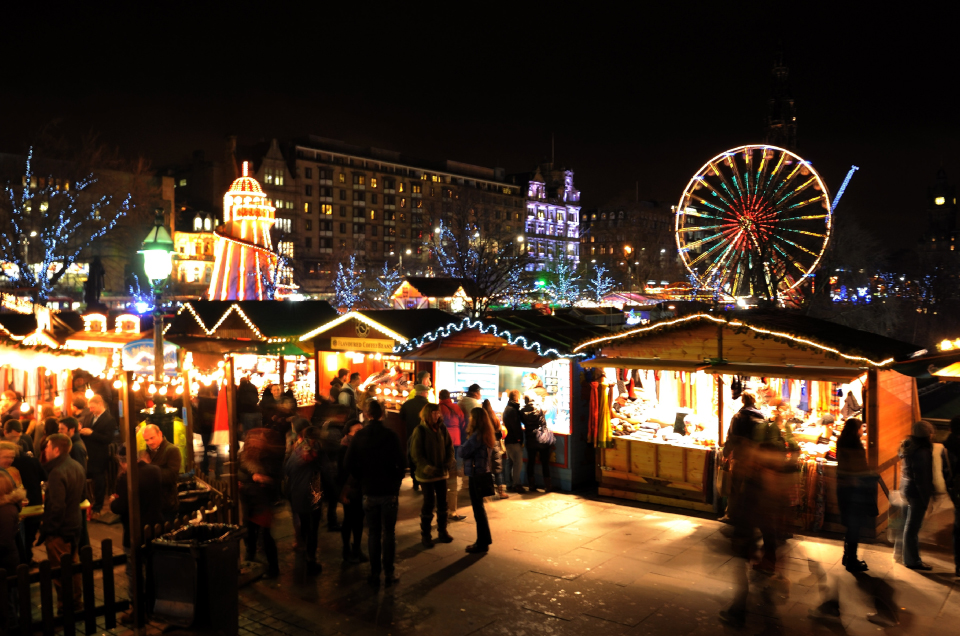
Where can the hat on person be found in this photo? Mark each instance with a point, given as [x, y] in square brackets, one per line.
[421, 388]
[474, 388]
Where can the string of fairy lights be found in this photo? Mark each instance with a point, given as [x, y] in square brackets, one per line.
[469, 323]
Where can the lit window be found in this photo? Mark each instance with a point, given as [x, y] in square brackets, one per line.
[403, 203]
[416, 188]
[326, 209]
[373, 215]
[373, 182]
[938, 200]
[197, 223]
[343, 178]
[207, 224]
[183, 182]
[402, 187]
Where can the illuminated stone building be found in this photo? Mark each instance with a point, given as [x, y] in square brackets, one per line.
[552, 223]
[942, 231]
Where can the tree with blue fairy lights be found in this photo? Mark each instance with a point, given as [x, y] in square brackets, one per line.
[600, 285]
[46, 222]
[387, 282]
[348, 285]
[565, 286]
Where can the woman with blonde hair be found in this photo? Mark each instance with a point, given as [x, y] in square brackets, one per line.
[479, 453]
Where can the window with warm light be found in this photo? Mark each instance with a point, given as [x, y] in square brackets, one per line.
[343, 178]
[326, 209]
[940, 200]
[402, 186]
[373, 182]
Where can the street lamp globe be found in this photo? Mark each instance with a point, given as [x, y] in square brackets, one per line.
[158, 251]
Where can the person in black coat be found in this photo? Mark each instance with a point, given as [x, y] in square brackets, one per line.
[533, 419]
[514, 440]
[353, 508]
[32, 476]
[70, 427]
[150, 515]
[97, 438]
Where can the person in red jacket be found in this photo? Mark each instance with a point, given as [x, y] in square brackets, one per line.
[456, 423]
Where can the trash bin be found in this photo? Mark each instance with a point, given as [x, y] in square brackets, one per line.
[194, 577]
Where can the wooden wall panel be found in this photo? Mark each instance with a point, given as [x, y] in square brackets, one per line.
[896, 404]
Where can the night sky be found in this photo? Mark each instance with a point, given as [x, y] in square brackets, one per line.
[630, 95]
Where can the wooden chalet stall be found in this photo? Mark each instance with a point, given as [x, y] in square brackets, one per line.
[447, 294]
[684, 372]
[527, 351]
[363, 342]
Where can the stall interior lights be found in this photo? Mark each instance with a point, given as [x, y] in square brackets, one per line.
[88, 393]
[468, 323]
[117, 384]
[58, 401]
[735, 324]
[152, 389]
[355, 316]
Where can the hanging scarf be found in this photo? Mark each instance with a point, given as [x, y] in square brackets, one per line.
[604, 431]
[593, 412]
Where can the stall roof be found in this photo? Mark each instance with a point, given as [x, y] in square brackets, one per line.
[399, 324]
[851, 344]
[270, 326]
[441, 287]
[527, 339]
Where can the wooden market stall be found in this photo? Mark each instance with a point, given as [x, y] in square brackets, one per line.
[525, 351]
[688, 370]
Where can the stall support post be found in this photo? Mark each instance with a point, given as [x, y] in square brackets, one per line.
[133, 503]
[67, 395]
[283, 370]
[316, 372]
[187, 411]
[234, 442]
[872, 416]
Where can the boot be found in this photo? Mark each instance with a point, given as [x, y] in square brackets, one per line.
[359, 555]
[503, 492]
[547, 484]
[425, 522]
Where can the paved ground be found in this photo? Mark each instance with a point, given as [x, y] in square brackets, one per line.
[568, 564]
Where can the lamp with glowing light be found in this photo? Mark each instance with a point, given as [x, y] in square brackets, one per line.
[158, 253]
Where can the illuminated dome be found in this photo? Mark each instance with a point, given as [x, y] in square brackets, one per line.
[245, 260]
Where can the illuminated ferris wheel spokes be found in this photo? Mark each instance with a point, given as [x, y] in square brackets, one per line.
[753, 220]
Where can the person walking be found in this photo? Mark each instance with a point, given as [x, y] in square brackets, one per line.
[916, 486]
[60, 524]
[456, 424]
[856, 491]
[514, 440]
[260, 474]
[539, 441]
[432, 451]
[951, 447]
[479, 452]
[353, 503]
[302, 470]
[166, 457]
[150, 490]
[97, 437]
[376, 462]
[410, 414]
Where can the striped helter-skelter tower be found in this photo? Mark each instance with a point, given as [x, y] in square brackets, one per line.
[245, 260]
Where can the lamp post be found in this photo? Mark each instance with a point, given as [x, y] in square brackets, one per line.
[157, 253]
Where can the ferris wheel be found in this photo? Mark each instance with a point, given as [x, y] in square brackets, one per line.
[753, 221]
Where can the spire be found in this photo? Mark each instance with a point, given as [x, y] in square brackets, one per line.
[781, 124]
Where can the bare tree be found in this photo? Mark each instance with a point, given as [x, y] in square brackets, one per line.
[475, 246]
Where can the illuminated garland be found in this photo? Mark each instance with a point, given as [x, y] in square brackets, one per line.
[226, 314]
[468, 323]
[358, 316]
[740, 326]
[39, 348]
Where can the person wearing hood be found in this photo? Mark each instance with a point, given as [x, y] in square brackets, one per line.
[916, 487]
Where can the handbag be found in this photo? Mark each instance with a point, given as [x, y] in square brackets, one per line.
[486, 484]
[545, 437]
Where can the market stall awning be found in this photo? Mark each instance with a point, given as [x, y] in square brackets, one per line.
[949, 374]
[823, 374]
[498, 354]
[643, 363]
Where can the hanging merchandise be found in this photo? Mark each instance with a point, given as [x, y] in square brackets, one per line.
[604, 433]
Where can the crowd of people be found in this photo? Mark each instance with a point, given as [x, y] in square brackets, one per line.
[345, 458]
[51, 464]
[759, 457]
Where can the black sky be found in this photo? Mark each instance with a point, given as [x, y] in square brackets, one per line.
[631, 93]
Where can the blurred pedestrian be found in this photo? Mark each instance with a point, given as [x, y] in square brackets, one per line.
[470, 400]
[31, 477]
[12, 432]
[353, 504]
[304, 485]
[410, 414]
[11, 496]
[856, 491]
[479, 452]
[348, 396]
[916, 486]
[248, 411]
[376, 462]
[337, 383]
[60, 525]
[80, 411]
[456, 423]
[499, 432]
[51, 426]
[432, 451]
[70, 427]
[9, 405]
[514, 440]
[260, 474]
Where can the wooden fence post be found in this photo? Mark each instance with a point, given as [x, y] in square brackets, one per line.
[109, 589]
[46, 597]
[66, 594]
[23, 589]
[89, 596]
